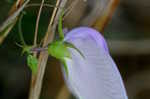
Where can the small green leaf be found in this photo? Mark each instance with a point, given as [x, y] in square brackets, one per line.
[58, 50]
[32, 63]
[74, 47]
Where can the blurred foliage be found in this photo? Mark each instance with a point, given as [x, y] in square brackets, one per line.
[5, 6]
[130, 21]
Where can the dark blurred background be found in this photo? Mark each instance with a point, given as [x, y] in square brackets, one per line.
[127, 34]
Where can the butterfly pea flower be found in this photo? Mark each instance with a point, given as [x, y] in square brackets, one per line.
[96, 75]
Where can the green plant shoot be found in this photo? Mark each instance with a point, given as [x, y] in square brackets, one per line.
[59, 49]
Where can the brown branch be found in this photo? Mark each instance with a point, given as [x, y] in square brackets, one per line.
[36, 81]
[102, 21]
[45, 5]
[69, 9]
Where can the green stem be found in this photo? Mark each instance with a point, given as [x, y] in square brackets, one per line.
[60, 28]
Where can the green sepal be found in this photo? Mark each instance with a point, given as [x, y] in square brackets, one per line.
[32, 62]
[70, 45]
[58, 50]
[26, 49]
[65, 66]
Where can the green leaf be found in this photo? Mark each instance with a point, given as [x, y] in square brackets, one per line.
[74, 47]
[58, 50]
[32, 62]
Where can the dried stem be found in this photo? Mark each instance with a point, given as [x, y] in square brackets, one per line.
[8, 24]
[36, 82]
[20, 30]
[45, 5]
[69, 9]
[37, 23]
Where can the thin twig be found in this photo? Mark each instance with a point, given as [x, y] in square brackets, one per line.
[49, 31]
[54, 13]
[45, 5]
[37, 23]
[20, 30]
[8, 24]
[11, 18]
[69, 9]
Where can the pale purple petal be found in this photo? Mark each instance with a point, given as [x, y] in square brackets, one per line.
[96, 76]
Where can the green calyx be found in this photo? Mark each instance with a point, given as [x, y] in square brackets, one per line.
[32, 62]
[58, 50]
[70, 45]
[26, 49]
